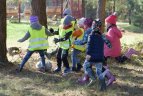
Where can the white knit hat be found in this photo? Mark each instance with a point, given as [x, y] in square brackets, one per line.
[81, 21]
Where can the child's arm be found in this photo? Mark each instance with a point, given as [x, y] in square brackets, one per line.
[51, 32]
[67, 36]
[88, 51]
[85, 38]
[27, 35]
[106, 41]
[83, 41]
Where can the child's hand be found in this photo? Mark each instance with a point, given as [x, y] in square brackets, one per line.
[20, 40]
[88, 57]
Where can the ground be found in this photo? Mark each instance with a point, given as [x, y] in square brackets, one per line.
[129, 76]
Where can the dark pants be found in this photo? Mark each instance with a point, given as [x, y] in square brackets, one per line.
[121, 59]
[28, 55]
[62, 57]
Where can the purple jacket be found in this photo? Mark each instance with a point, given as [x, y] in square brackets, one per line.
[113, 35]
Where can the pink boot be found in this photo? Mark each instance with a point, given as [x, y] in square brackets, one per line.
[83, 80]
[130, 52]
[110, 78]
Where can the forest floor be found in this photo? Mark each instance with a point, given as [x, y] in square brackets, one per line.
[129, 75]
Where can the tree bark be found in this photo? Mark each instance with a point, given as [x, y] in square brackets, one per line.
[39, 9]
[83, 8]
[101, 12]
[3, 35]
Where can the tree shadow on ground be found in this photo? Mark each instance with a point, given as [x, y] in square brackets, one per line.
[57, 83]
[50, 81]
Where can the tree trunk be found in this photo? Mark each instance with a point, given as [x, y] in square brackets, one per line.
[3, 49]
[101, 12]
[83, 8]
[129, 16]
[39, 9]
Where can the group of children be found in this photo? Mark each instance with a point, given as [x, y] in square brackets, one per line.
[82, 35]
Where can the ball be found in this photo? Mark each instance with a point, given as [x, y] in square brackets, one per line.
[48, 65]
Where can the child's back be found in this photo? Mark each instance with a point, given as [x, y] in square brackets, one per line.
[95, 47]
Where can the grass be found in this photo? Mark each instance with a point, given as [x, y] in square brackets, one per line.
[129, 76]
[130, 28]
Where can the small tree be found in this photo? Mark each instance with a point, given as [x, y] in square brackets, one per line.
[39, 9]
[3, 49]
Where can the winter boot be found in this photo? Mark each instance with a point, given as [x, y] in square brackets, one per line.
[84, 79]
[130, 52]
[18, 70]
[74, 69]
[79, 66]
[57, 70]
[110, 78]
[102, 85]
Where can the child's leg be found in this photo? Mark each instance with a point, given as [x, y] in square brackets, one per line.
[65, 60]
[88, 70]
[27, 56]
[84, 79]
[130, 52]
[108, 74]
[42, 55]
[74, 59]
[79, 66]
[59, 60]
[100, 76]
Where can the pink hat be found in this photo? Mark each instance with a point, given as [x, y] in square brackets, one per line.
[112, 18]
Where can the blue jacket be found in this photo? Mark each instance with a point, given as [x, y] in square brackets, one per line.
[95, 47]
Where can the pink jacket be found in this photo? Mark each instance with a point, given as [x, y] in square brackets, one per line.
[113, 35]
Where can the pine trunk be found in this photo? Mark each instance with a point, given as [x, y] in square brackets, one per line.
[101, 12]
[39, 9]
[3, 49]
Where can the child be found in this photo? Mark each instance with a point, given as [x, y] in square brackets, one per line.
[87, 28]
[65, 33]
[113, 35]
[95, 56]
[37, 43]
[82, 42]
[106, 71]
[77, 49]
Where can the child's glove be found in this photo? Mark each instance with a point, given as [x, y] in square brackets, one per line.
[88, 57]
[56, 40]
[51, 30]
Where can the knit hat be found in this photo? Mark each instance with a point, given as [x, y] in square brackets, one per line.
[96, 25]
[67, 12]
[112, 18]
[81, 21]
[67, 20]
[88, 22]
[33, 19]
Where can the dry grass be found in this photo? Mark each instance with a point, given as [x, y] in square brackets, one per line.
[129, 78]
